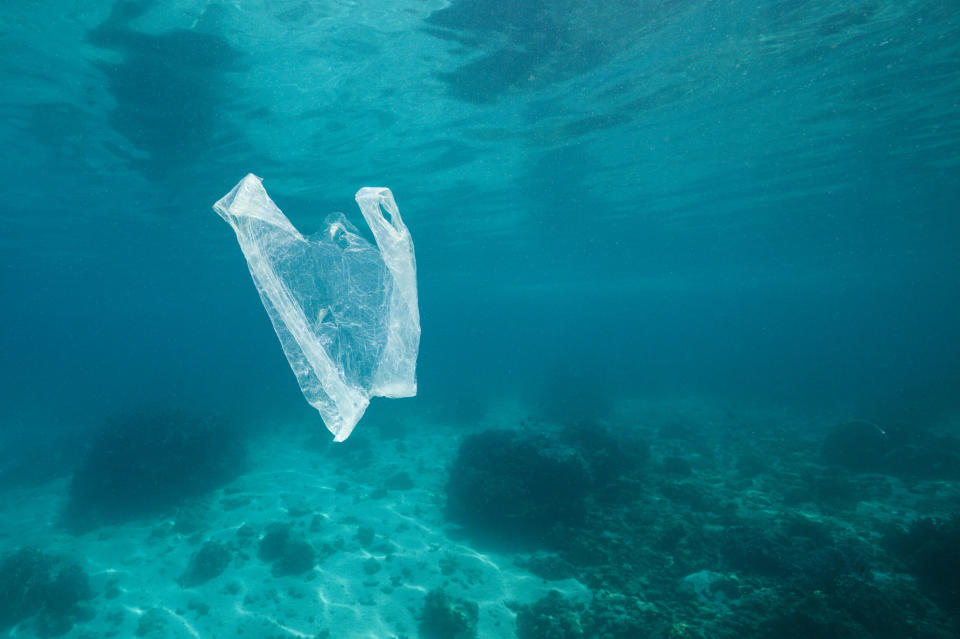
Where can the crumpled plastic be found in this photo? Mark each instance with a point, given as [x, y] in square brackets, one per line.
[345, 310]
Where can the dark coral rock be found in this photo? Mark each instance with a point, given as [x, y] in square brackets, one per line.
[810, 617]
[52, 626]
[505, 483]
[24, 577]
[617, 616]
[69, 588]
[365, 535]
[854, 608]
[298, 557]
[552, 617]
[208, 562]
[35, 584]
[290, 555]
[609, 456]
[796, 560]
[863, 446]
[756, 551]
[274, 541]
[930, 548]
[446, 617]
[885, 613]
[371, 566]
[924, 454]
[841, 490]
[141, 464]
[821, 567]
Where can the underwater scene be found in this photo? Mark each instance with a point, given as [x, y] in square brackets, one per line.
[480, 319]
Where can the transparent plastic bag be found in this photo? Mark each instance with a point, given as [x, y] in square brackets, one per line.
[345, 310]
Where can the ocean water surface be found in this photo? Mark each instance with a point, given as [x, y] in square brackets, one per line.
[690, 355]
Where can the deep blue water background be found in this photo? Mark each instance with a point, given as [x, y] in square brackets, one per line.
[754, 203]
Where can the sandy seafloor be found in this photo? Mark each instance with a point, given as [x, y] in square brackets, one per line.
[673, 550]
[290, 479]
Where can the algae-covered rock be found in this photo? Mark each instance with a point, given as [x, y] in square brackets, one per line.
[866, 447]
[274, 541]
[551, 617]
[506, 483]
[446, 617]
[289, 554]
[208, 562]
[930, 549]
[615, 616]
[35, 584]
[298, 557]
[146, 463]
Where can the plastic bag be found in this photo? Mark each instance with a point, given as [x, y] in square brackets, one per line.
[345, 310]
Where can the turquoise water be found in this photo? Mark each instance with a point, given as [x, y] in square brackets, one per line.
[739, 217]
